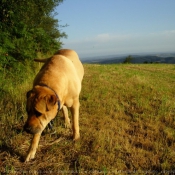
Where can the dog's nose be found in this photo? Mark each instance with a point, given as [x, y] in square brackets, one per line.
[27, 128]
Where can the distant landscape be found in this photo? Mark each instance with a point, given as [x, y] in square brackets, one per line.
[168, 58]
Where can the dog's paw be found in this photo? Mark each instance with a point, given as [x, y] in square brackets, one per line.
[76, 137]
[67, 124]
[29, 157]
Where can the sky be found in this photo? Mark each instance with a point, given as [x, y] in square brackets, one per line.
[114, 27]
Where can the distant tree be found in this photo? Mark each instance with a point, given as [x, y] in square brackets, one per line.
[128, 60]
[27, 27]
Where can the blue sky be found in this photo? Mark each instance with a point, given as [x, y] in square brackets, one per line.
[113, 27]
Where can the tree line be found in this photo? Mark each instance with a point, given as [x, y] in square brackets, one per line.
[26, 28]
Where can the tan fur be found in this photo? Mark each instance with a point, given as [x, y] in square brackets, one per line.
[58, 80]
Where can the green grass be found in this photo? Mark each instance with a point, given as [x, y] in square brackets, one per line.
[127, 124]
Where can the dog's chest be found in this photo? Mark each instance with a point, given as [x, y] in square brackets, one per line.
[68, 102]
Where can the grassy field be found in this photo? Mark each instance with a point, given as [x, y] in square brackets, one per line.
[127, 124]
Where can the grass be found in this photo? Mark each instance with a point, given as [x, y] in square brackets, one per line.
[127, 124]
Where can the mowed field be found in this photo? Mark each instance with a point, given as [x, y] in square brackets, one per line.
[127, 124]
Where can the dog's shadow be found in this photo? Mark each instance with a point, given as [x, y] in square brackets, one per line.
[6, 151]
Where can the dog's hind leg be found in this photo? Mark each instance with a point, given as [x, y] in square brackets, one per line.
[66, 117]
[33, 147]
[75, 119]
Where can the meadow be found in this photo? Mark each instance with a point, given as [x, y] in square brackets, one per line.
[127, 123]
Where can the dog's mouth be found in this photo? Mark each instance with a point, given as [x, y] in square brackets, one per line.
[33, 128]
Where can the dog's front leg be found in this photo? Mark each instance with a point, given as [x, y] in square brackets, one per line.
[75, 119]
[66, 117]
[33, 147]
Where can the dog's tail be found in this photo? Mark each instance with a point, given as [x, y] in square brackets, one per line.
[41, 60]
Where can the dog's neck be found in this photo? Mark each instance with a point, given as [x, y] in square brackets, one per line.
[59, 103]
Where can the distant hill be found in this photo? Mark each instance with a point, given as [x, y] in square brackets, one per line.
[168, 58]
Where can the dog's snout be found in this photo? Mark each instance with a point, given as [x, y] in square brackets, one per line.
[31, 129]
[27, 128]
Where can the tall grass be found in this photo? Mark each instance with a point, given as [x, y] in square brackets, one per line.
[127, 123]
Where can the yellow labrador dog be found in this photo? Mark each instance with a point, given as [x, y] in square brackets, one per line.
[56, 86]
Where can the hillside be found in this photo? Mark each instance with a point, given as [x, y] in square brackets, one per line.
[127, 124]
[168, 58]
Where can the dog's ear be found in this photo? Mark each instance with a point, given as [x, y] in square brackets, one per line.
[29, 94]
[40, 105]
[50, 101]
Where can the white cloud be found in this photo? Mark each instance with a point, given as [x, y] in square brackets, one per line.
[106, 43]
[103, 37]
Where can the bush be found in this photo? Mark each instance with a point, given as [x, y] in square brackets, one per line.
[128, 60]
[26, 31]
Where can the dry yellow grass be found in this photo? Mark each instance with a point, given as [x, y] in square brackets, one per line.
[127, 125]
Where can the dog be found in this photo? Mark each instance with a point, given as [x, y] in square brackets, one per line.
[56, 87]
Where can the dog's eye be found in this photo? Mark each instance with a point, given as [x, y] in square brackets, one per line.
[37, 113]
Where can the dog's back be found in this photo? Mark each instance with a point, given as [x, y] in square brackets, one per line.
[71, 55]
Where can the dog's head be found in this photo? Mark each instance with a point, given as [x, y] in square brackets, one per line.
[41, 108]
